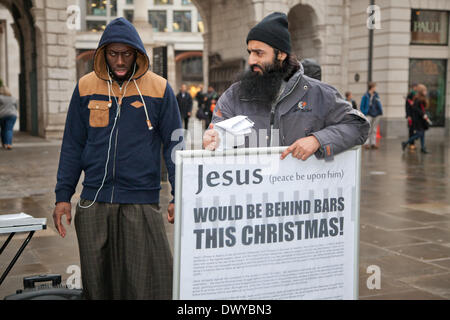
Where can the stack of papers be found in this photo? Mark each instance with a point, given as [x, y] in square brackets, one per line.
[232, 132]
[10, 221]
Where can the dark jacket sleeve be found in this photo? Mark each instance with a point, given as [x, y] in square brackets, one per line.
[344, 127]
[224, 108]
[74, 140]
[170, 121]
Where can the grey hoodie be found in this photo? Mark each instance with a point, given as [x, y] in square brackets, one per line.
[306, 107]
[8, 106]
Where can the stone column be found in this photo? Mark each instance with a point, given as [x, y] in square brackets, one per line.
[58, 65]
[140, 21]
[3, 54]
[171, 67]
[205, 59]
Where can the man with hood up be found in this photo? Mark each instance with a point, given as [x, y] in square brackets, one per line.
[287, 107]
[119, 116]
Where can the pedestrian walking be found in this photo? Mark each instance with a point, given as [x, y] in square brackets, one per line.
[420, 120]
[408, 106]
[184, 100]
[210, 100]
[349, 98]
[371, 107]
[119, 117]
[8, 116]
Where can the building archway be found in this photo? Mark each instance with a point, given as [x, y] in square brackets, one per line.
[85, 62]
[224, 54]
[27, 36]
[305, 33]
[189, 68]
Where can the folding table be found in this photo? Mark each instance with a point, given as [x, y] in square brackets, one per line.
[14, 223]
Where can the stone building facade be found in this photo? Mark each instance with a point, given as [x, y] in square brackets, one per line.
[334, 32]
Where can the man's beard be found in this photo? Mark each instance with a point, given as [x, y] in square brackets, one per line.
[265, 86]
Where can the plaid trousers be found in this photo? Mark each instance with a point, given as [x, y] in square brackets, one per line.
[124, 251]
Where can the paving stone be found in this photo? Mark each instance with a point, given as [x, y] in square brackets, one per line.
[379, 237]
[438, 284]
[428, 251]
[386, 222]
[443, 263]
[419, 216]
[440, 236]
[405, 295]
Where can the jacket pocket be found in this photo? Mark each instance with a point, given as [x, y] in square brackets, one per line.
[98, 113]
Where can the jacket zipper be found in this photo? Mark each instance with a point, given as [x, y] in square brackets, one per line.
[115, 153]
[272, 111]
[114, 165]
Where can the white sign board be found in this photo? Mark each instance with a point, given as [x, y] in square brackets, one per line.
[251, 226]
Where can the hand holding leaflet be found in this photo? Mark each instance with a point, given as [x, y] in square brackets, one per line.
[232, 132]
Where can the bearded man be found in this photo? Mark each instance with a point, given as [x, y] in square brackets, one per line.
[287, 107]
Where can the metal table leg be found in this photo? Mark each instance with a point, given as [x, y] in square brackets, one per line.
[25, 243]
[7, 241]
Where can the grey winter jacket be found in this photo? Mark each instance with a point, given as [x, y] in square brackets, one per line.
[8, 106]
[306, 107]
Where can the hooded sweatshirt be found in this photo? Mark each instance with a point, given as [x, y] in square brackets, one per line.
[107, 134]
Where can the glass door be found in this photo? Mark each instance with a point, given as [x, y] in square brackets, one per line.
[432, 73]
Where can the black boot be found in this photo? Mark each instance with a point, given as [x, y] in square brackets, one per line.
[404, 144]
[423, 150]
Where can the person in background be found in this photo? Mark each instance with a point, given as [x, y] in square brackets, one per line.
[312, 68]
[408, 105]
[8, 116]
[211, 98]
[349, 98]
[420, 120]
[184, 100]
[371, 107]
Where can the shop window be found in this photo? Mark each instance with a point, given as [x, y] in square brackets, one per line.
[182, 21]
[96, 7]
[429, 27]
[200, 25]
[95, 26]
[158, 20]
[162, 2]
[128, 14]
[112, 7]
[99, 13]
[192, 69]
[431, 73]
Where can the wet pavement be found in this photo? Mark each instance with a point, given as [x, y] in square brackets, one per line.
[405, 217]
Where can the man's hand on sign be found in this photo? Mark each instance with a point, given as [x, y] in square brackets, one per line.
[170, 213]
[210, 139]
[303, 148]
